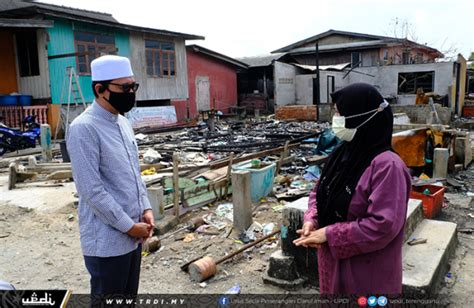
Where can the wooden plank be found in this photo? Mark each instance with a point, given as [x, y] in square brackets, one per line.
[176, 183]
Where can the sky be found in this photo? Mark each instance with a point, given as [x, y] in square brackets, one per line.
[256, 27]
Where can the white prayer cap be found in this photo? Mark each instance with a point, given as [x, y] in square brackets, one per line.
[110, 67]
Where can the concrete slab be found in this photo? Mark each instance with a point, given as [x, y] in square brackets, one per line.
[306, 259]
[44, 199]
[414, 216]
[282, 272]
[425, 265]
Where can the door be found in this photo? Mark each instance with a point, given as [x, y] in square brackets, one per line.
[8, 82]
[203, 98]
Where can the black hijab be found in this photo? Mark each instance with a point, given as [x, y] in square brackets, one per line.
[349, 161]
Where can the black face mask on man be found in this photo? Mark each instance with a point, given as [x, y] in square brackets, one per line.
[121, 101]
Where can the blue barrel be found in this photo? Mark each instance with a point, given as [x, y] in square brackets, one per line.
[24, 100]
[8, 100]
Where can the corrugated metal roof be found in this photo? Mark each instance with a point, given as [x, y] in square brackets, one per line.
[328, 33]
[7, 5]
[18, 8]
[25, 23]
[264, 60]
[360, 45]
[74, 11]
[336, 47]
[39, 7]
[211, 53]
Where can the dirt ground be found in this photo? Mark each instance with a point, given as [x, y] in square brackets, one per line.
[40, 247]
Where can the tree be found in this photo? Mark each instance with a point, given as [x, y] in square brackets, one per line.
[404, 29]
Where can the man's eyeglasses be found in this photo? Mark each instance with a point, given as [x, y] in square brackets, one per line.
[126, 87]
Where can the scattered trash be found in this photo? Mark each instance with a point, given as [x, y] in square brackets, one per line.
[234, 290]
[312, 173]
[255, 163]
[213, 220]
[278, 208]
[149, 171]
[470, 215]
[255, 227]
[268, 228]
[203, 284]
[247, 237]
[450, 279]
[151, 157]
[141, 137]
[470, 194]
[189, 238]
[417, 241]
[226, 210]
[5, 235]
[70, 217]
[423, 177]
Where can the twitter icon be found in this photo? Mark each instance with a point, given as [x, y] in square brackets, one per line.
[372, 301]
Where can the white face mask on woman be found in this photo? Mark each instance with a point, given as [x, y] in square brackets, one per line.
[347, 134]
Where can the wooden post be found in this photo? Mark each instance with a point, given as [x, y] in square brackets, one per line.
[176, 183]
[229, 171]
[282, 157]
[46, 149]
[241, 198]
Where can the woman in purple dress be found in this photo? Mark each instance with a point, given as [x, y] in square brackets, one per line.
[356, 213]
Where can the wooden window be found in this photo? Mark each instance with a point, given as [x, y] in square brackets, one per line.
[27, 50]
[90, 46]
[419, 57]
[356, 59]
[408, 83]
[160, 58]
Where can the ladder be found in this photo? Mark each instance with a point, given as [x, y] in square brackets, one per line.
[72, 89]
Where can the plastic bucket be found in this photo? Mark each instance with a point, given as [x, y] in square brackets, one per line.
[261, 179]
[24, 100]
[9, 100]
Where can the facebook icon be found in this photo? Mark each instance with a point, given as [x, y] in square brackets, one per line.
[224, 301]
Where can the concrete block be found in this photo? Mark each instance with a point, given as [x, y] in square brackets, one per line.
[241, 198]
[306, 258]
[45, 141]
[463, 151]
[282, 272]
[414, 216]
[155, 196]
[425, 265]
[440, 163]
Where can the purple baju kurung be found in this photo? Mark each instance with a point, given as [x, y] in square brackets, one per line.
[364, 254]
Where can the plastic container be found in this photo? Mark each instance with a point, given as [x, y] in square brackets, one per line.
[24, 100]
[8, 100]
[261, 179]
[432, 202]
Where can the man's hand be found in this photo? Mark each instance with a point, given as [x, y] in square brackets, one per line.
[314, 239]
[149, 219]
[140, 230]
[307, 228]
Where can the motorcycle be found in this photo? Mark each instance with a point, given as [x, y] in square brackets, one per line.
[13, 139]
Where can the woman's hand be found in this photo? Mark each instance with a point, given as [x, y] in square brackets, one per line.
[314, 239]
[307, 228]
